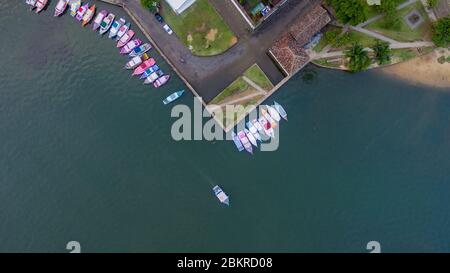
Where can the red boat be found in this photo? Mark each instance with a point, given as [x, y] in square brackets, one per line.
[141, 68]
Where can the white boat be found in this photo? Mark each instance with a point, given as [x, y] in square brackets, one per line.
[106, 23]
[273, 113]
[257, 126]
[99, 19]
[268, 130]
[153, 77]
[74, 6]
[254, 131]
[221, 195]
[173, 97]
[245, 141]
[133, 63]
[251, 138]
[115, 27]
[32, 3]
[40, 5]
[280, 110]
[60, 7]
[272, 122]
[122, 30]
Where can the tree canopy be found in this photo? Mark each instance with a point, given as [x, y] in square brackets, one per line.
[350, 11]
[358, 58]
[441, 32]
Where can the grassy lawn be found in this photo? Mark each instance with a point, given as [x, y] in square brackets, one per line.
[200, 28]
[401, 31]
[236, 87]
[255, 74]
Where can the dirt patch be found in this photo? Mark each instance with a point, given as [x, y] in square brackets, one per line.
[201, 28]
[233, 41]
[211, 36]
[189, 38]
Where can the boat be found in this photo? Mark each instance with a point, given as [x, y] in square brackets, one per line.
[161, 81]
[149, 71]
[138, 51]
[221, 195]
[258, 126]
[268, 130]
[61, 7]
[134, 62]
[251, 138]
[143, 66]
[88, 15]
[173, 97]
[280, 110]
[254, 131]
[74, 5]
[40, 5]
[130, 46]
[99, 19]
[32, 3]
[106, 23]
[81, 11]
[115, 27]
[265, 114]
[237, 142]
[122, 30]
[153, 77]
[244, 140]
[125, 38]
[273, 113]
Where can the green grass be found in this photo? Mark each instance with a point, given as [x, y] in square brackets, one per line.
[323, 42]
[236, 87]
[401, 31]
[364, 39]
[255, 74]
[200, 28]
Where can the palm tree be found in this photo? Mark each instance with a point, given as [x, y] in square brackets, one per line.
[382, 52]
[358, 58]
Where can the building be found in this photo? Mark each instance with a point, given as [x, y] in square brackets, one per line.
[180, 5]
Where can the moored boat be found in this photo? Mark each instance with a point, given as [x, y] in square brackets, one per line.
[161, 81]
[130, 46]
[106, 23]
[134, 62]
[99, 19]
[173, 97]
[258, 126]
[280, 110]
[253, 130]
[251, 138]
[273, 113]
[266, 115]
[61, 7]
[143, 66]
[81, 11]
[125, 38]
[32, 3]
[237, 142]
[139, 50]
[88, 15]
[244, 140]
[115, 27]
[74, 6]
[268, 130]
[153, 77]
[122, 30]
[149, 71]
[221, 195]
[40, 5]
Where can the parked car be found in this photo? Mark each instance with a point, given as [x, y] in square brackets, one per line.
[159, 18]
[168, 29]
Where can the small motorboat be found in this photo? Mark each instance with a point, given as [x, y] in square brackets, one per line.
[138, 51]
[125, 38]
[32, 3]
[74, 6]
[106, 23]
[130, 46]
[115, 27]
[265, 114]
[280, 110]
[258, 126]
[273, 113]
[221, 195]
[88, 15]
[237, 142]
[61, 7]
[122, 30]
[173, 97]
[81, 11]
[153, 77]
[254, 131]
[40, 5]
[99, 19]
[149, 71]
[251, 138]
[134, 62]
[161, 81]
[268, 130]
[244, 140]
[143, 66]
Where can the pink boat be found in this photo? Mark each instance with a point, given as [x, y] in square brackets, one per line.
[161, 81]
[130, 46]
[40, 5]
[125, 38]
[141, 68]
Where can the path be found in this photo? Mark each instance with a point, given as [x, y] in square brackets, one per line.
[254, 85]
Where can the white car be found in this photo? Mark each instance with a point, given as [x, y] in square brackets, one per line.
[168, 29]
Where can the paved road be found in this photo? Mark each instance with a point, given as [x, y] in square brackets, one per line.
[210, 75]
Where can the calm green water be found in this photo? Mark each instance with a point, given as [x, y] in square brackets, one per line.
[86, 155]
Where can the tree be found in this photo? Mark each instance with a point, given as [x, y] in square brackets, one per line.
[432, 3]
[382, 52]
[151, 5]
[350, 11]
[441, 32]
[358, 58]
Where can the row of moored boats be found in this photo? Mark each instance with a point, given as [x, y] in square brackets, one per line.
[270, 116]
[142, 65]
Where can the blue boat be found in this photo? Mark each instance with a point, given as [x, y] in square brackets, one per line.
[221, 195]
[173, 97]
[149, 71]
[237, 142]
[138, 51]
